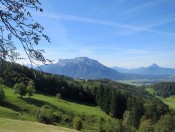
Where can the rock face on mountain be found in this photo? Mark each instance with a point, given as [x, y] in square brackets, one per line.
[82, 67]
[153, 69]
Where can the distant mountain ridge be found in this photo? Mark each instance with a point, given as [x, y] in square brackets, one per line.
[82, 67]
[153, 69]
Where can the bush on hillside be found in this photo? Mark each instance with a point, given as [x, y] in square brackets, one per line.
[30, 89]
[20, 88]
[45, 115]
[77, 123]
[58, 96]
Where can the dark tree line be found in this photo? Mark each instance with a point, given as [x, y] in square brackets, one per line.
[164, 89]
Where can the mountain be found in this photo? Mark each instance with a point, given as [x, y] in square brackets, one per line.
[82, 67]
[153, 69]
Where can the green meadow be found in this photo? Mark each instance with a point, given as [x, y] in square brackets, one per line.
[170, 101]
[25, 109]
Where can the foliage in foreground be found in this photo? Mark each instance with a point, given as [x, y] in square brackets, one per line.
[16, 21]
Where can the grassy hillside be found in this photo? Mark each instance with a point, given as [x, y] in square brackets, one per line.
[170, 101]
[150, 90]
[15, 107]
[25, 126]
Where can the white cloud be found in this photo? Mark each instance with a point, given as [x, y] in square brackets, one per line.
[107, 23]
[140, 7]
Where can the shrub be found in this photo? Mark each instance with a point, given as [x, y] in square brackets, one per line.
[77, 123]
[30, 88]
[20, 88]
[57, 116]
[45, 115]
[58, 96]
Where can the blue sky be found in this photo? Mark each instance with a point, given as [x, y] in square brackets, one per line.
[121, 33]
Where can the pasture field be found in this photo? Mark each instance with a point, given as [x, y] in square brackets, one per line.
[25, 109]
[170, 101]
